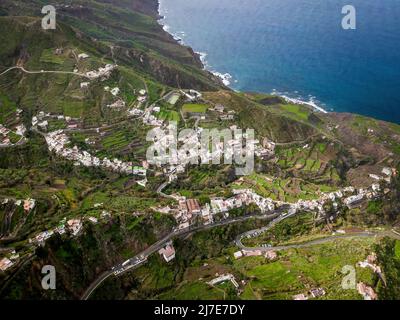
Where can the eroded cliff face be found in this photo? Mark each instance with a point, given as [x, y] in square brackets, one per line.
[179, 76]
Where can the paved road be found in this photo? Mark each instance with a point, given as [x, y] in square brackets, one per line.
[277, 217]
[311, 242]
[141, 258]
[263, 229]
[161, 188]
[44, 71]
[362, 234]
[20, 142]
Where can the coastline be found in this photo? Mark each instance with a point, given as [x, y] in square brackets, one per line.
[309, 103]
[227, 78]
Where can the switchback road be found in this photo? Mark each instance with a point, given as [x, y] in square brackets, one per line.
[141, 258]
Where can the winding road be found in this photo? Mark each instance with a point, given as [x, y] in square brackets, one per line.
[141, 258]
[277, 217]
[44, 71]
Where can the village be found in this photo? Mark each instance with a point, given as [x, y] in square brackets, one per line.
[57, 141]
[188, 211]
[173, 164]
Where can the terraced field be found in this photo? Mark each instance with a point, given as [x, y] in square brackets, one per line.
[121, 141]
[310, 160]
[169, 115]
[289, 189]
[7, 109]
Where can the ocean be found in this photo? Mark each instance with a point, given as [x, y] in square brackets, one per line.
[298, 49]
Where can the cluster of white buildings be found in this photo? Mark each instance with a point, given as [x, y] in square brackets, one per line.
[350, 196]
[245, 197]
[119, 104]
[188, 209]
[387, 172]
[28, 203]
[242, 197]
[270, 255]
[370, 262]
[42, 119]
[313, 293]
[57, 141]
[222, 278]
[225, 116]
[192, 151]
[195, 148]
[150, 119]
[83, 56]
[191, 95]
[135, 112]
[103, 72]
[74, 226]
[361, 194]
[186, 212]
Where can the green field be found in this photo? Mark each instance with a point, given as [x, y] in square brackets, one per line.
[169, 115]
[289, 189]
[298, 270]
[195, 108]
[300, 112]
[48, 56]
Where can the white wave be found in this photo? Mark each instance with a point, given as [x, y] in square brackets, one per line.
[162, 11]
[203, 56]
[311, 102]
[166, 27]
[226, 77]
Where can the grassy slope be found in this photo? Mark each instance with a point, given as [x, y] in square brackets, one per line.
[138, 39]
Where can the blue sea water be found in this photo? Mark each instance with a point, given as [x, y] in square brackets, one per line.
[298, 48]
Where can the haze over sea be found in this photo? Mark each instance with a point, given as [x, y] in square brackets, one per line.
[298, 48]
